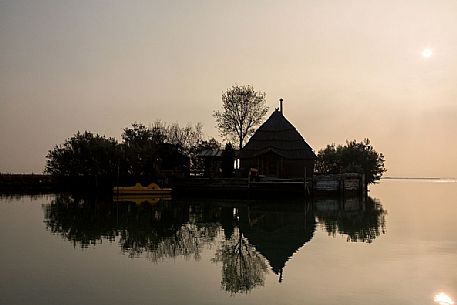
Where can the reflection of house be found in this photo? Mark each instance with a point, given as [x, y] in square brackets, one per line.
[277, 149]
[277, 235]
[212, 162]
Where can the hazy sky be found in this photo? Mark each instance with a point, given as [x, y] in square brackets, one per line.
[346, 70]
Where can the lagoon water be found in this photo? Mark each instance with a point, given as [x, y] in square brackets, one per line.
[397, 247]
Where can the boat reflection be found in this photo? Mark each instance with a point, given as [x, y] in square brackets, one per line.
[257, 236]
[140, 199]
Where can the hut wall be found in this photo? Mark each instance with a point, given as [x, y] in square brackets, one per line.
[286, 168]
[246, 164]
[296, 168]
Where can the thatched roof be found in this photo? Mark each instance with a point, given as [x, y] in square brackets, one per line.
[278, 135]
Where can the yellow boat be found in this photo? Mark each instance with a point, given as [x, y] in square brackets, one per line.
[138, 189]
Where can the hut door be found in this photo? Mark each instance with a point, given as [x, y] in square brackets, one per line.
[270, 164]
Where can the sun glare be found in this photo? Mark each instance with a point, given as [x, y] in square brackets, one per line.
[427, 53]
[443, 299]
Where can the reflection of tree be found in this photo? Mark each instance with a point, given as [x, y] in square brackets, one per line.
[243, 268]
[160, 231]
[187, 241]
[80, 221]
[361, 220]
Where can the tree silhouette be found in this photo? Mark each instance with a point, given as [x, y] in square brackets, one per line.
[88, 160]
[243, 109]
[85, 158]
[354, 157]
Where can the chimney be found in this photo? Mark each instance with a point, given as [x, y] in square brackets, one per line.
[280, 105]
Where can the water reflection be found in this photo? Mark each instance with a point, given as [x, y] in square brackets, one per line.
[278, 230]
[161, 230]
[243, 268]
[256, 234]
[360, 220]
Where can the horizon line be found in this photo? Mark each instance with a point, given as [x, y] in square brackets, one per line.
[419, 178]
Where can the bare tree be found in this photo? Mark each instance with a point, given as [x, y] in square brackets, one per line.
[243, 109]
[185, 137]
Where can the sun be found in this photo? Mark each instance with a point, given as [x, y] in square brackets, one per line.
[427, 53]
[443, 299]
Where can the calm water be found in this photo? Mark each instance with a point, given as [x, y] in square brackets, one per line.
[398, 247]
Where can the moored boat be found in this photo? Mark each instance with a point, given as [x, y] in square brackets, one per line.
[138, 189]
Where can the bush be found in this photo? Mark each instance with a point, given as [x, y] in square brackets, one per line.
[85, 159]
[354, 157]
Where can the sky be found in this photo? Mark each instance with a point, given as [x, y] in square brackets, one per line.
[346, 69]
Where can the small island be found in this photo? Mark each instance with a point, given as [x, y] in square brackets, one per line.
[276, 160]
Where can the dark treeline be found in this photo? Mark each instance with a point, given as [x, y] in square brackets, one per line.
[155, 153]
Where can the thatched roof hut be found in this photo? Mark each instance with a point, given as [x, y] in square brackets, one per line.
[277, 149]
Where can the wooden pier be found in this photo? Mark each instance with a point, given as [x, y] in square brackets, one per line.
[344, 184]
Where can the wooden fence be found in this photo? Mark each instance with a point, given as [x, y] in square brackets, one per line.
[339, 183]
